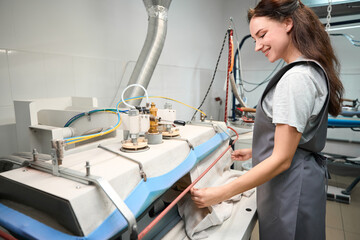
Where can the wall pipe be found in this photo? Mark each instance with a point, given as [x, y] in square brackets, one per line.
[236, 70]
[157, 27]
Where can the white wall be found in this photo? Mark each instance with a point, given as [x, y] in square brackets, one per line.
[51, 48]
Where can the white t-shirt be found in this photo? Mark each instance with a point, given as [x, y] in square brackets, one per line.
[297, 99]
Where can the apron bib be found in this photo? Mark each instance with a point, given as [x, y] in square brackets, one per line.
[292, 205]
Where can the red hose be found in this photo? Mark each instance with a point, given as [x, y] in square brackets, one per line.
[6, 236]
[230, 64]
[177, 199]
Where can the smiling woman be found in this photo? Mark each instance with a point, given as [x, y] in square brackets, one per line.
[308, 36]
[273, 39]
[290, 125]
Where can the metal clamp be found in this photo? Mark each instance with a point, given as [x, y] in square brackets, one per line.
[57, 155]
[142, 172]
[217, 126]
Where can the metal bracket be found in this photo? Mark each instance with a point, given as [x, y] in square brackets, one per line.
[55, 163]
[57, 155]
[87, 114]
[35, 154]
[183, 139]
[221, 129]
[205, 124]
[117, 201]
[215, 126]
[141, 167]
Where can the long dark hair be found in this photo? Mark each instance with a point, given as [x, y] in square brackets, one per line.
[309, 37]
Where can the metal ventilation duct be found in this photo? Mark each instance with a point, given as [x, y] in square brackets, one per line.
[157, 11]
[339, 7]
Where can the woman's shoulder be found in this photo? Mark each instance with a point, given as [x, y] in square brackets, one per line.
[307, 67]
[306, 71]
[308, 77]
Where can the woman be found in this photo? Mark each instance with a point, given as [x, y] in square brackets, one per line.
[291, 123]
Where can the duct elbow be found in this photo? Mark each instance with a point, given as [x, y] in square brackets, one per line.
[157, 11]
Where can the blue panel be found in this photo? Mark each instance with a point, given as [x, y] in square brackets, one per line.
[138, 200]
[344, 122]
[27, 227]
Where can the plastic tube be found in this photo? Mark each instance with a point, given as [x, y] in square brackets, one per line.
[86, 137]
[133, 85]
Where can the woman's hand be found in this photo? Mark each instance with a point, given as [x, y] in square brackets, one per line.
[241, 154]
[206, 197]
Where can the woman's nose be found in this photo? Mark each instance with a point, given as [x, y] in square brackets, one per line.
[258, 46]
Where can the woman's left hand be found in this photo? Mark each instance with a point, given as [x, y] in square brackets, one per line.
[205, 197]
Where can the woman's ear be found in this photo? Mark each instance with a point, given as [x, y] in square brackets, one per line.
[288, 24]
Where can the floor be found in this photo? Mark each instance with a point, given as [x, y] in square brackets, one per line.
[342, 220]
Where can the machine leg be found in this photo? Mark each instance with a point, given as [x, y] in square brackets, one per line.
[348, 190]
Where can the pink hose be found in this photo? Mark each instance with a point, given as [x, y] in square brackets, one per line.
[172, 204]
[6, 236]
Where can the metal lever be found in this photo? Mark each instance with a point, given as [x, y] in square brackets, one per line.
[142, 172]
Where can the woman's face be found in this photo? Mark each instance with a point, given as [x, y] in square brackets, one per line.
[273, 38]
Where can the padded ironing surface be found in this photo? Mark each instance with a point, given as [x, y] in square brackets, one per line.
[138, 200]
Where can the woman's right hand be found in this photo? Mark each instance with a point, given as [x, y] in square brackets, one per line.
[241, 154]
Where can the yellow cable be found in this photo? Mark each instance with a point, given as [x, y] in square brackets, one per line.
[179, 102]
[165, 98]
[100, 133]
[83, 138]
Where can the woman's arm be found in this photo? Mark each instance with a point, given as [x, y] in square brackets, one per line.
[286, 140]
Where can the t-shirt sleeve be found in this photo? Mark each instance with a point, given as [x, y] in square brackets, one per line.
[294, 100]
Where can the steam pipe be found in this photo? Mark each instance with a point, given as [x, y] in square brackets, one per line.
[157, 11]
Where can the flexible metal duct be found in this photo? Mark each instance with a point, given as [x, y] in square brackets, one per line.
[154, 43]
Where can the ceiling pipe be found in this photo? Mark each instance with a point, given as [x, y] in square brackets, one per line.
[158, 13]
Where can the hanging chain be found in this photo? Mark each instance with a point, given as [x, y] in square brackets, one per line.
[328, 17]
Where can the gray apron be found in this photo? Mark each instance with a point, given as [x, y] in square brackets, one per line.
[292, 205]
